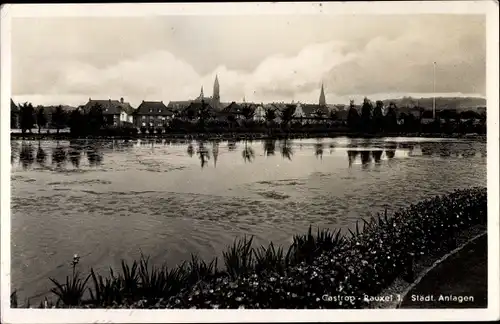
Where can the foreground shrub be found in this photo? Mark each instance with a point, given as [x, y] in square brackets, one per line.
[317, 271]
[360, 265]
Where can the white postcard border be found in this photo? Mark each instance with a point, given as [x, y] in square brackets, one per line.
[489, 8]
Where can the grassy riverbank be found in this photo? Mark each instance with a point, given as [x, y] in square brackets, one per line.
[326, 269]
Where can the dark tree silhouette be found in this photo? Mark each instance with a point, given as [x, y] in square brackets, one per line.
[41, 119]
[469, 114]
[353, 118]
[59, 118]
[286, 116]
[333, 115]
[231, 119]
[378, 116]
[95, 119]
[270, 115]
[248, 112]
[27, 114]
[391, 118]
[77, 123]
[204, 114]
[14, 115]
[366, 115]
[410, 122]
[319, 114]
[189, 114]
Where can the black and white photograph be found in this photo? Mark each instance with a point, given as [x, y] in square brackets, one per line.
[224, 158]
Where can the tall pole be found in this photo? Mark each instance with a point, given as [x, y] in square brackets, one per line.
[434, 90]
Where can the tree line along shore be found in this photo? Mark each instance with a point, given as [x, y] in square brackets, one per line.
[368, 120]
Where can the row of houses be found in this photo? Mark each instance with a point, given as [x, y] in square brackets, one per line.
[153, 114]
[157, 114]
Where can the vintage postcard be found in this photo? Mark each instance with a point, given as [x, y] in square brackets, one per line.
[261, 162]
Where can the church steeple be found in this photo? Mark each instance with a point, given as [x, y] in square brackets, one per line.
[216, 95]
[201, 93]
[322, 99]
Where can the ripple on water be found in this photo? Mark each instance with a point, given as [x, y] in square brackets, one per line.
[79, 182]
[105, 226]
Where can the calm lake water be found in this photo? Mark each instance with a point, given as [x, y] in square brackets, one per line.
[110, 200]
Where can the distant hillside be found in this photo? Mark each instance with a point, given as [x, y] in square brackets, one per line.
[441, 102]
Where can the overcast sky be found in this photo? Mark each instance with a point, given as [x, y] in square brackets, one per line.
[261, 58]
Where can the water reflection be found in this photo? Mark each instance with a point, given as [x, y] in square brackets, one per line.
[390, 153]
[59, 156]
[269, 147]
[351, 155]
[318, 150]
[286, 150]
[248, 153]
[203, 153]
[365, 156]
[94, 155]
[377, 156]
[14, 152]
[215, 152]
[332, 148]
[75, 154]
[231, 145]
[41, 156]
[26, 155]
[190, 150]
[71, 152]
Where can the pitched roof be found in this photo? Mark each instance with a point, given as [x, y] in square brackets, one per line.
[178, 104]
[129, 110]
[110, 107]
[153, 108]
[233, 108]
[310, 109]
[196, 106]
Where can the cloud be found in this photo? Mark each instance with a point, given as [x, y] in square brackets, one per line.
[161, 75]
[394, 62]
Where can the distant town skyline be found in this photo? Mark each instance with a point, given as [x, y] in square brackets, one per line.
[259, 58]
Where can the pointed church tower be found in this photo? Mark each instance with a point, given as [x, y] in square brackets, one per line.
[322, 100]
[216, 95]
[201, 93]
